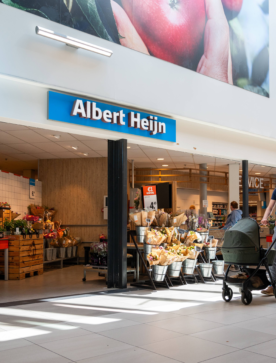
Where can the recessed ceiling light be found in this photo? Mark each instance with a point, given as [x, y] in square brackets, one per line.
[75, 147]
[240, 169]
[165, 165]
[56, 136]
[128, 147]
[160, 159]
[258, 173]
[263, 166]
[85, 154]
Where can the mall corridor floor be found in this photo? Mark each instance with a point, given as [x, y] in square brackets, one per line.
[184, 324]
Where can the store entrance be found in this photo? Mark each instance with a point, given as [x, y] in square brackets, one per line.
[57, 184]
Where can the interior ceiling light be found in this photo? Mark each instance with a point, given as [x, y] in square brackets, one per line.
[85, 154]
[257, 173]
[72, 42]
[165, 165]
[56, 136]
[128, 147]
[75, 147]
[160, 159]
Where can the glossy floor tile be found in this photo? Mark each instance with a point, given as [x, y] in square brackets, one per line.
[87, 346]
[236, 337]
[189, 324]
[189, 349]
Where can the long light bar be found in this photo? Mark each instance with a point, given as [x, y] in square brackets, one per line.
[72, 42]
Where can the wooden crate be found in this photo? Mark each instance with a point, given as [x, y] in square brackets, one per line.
[25, 257]
[5, 214]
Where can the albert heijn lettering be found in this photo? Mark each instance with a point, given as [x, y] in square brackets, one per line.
[89, 110]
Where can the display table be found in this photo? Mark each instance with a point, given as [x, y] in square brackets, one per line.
[4, 245]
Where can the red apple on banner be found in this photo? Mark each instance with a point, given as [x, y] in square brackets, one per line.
[232, 8]
[172, 30]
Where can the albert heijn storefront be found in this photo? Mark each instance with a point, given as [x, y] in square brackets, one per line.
[90, 113]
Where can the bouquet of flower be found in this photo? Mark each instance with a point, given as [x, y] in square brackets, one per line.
[4, 205]
[154, 237]
[153, 259]
[137, 200]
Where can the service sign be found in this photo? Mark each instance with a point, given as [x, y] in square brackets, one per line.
[150, 197]
[80, 111]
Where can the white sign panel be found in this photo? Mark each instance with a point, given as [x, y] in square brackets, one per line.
[32, 188]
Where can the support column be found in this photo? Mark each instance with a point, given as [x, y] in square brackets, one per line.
[203, 190]
[245, 189]
[117, 214]
[234, 184]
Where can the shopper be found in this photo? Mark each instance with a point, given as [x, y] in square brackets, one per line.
[269, 209]
[234, 216]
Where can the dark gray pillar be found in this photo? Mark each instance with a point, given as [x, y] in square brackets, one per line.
[203, 190]
[245, 191]
[117, 214]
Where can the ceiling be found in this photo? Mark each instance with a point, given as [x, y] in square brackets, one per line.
[21, 147]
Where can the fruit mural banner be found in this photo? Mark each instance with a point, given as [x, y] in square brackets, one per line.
[227, 40]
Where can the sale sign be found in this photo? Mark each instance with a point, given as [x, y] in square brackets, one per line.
[150, 197]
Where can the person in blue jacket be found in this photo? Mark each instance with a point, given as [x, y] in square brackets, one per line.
[234, 216]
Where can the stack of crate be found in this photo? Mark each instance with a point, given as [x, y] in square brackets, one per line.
[5, 214]
[25, 257]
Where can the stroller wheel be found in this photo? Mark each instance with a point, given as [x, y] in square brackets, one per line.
[246, 297]
[227, 294]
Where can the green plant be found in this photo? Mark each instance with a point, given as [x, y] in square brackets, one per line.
[9, 225]
[2, 229]
[20, 223]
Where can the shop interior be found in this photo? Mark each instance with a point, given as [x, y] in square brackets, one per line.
[56, 184]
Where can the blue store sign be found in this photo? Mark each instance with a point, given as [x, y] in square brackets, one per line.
[80, 111]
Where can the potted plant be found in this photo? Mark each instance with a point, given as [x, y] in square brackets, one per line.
[9, 227]
[137, 200]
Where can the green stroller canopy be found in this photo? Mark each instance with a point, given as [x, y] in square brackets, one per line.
[243, 234]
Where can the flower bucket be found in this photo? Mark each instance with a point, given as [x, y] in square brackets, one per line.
[189, 266]
[211, 253]
[206, 269]
[218, 267]
[49, 254]
[141, 234]
[61, 252]
[159, 273]
[54, 255]
[174, 269]
[74, 251]
[68, 252]
[204, 236]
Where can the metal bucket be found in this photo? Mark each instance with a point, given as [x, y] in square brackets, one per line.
[206, 269]
[69, 252]
[211, 253]
[147, 249]
[174, 269]
[54, 256]
[218, 267]
[61, 252]
[159, 273]
[48, 254]
[204, 236]
[74, 251]
[189, 266]
[141, 234]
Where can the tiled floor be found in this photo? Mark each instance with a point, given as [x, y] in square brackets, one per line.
[184, 324]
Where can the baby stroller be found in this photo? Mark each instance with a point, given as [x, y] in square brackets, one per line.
[242, 247]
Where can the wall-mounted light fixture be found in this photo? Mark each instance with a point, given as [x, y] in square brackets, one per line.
[72, 42]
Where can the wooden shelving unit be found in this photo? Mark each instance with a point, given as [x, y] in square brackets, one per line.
[221, 215]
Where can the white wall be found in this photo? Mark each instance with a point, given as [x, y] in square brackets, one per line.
[187, 197]
[136, 80]
[15, 190]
